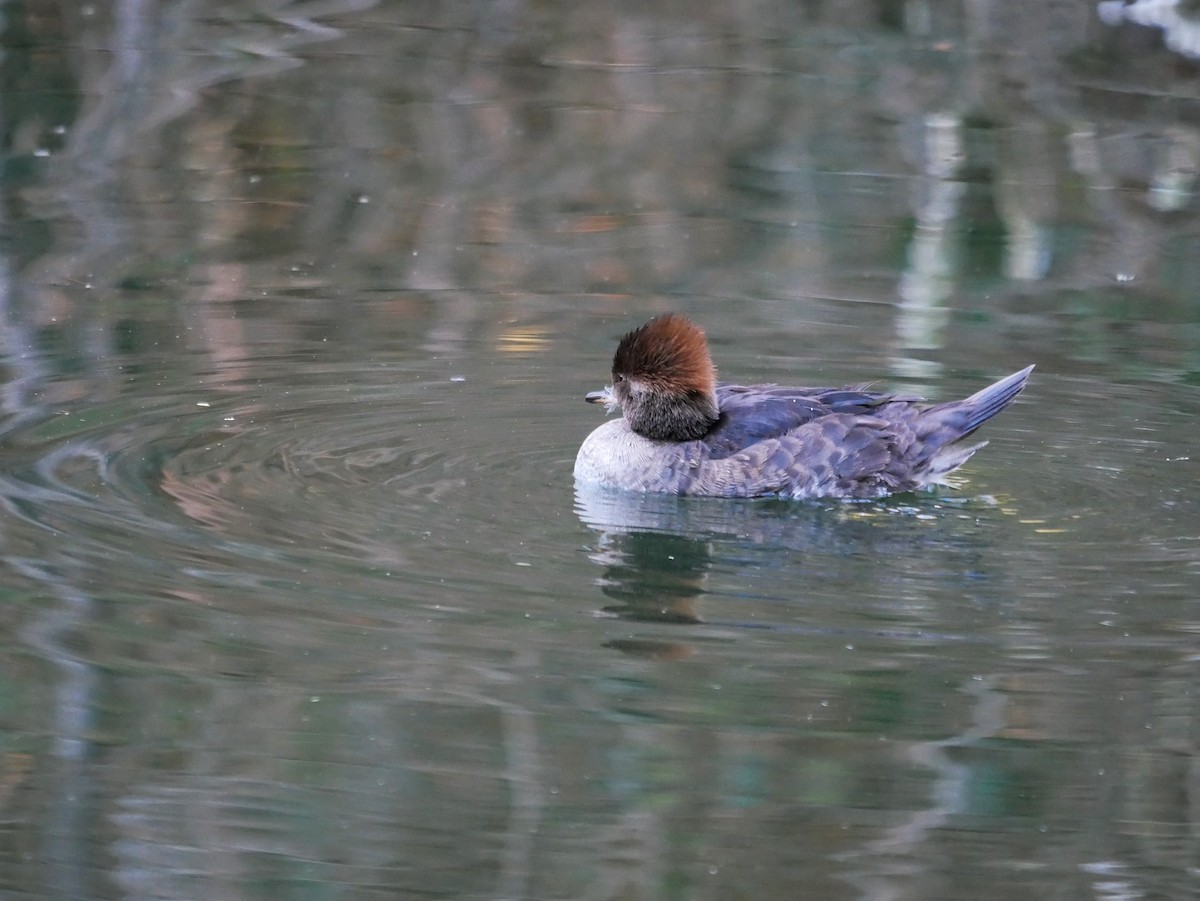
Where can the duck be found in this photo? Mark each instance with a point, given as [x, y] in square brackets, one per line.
[682, 433]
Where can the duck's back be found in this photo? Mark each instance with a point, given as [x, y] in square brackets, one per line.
[844, 442]
[752, 413]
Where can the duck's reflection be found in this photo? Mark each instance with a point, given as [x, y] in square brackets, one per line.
[656, 550]
[657, 553]
[654, 565]
[653, 576]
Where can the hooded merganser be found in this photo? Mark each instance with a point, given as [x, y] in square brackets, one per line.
[682, 433]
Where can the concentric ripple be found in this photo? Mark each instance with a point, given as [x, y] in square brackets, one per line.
[288, 483]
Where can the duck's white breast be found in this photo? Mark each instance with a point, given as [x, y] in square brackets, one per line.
[614, 456]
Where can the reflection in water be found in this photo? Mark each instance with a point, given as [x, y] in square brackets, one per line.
[896, 852]
[655, 576]
[76, 799]
[653, 566]
[928, 279]
[657, 553]
[294, 601]
[1176, 18]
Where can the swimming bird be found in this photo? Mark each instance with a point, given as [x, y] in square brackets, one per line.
[682, 433]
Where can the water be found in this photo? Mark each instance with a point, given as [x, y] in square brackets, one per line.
[299, 599]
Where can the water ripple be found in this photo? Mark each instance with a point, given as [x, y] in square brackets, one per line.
[392, 479]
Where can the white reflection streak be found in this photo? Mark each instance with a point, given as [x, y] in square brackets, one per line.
[67, 827]
[950, 793]
[1180, 33]
[525, 779]
[1174, 184]
[20, 356]
[928, 278]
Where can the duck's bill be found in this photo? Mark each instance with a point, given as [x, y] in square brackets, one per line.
[598, 397]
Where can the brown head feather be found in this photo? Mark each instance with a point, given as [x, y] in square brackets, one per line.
[669, 353]
[664, 380]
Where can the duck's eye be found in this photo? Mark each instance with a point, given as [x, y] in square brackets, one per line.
[618, 378]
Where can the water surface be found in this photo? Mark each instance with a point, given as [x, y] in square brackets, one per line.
[299, 599]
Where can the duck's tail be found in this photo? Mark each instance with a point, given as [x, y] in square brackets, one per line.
[942, 427]
[983, 405]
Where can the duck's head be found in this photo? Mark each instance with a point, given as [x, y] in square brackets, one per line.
[664, 380]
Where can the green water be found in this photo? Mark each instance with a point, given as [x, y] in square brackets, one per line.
[299, 306]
